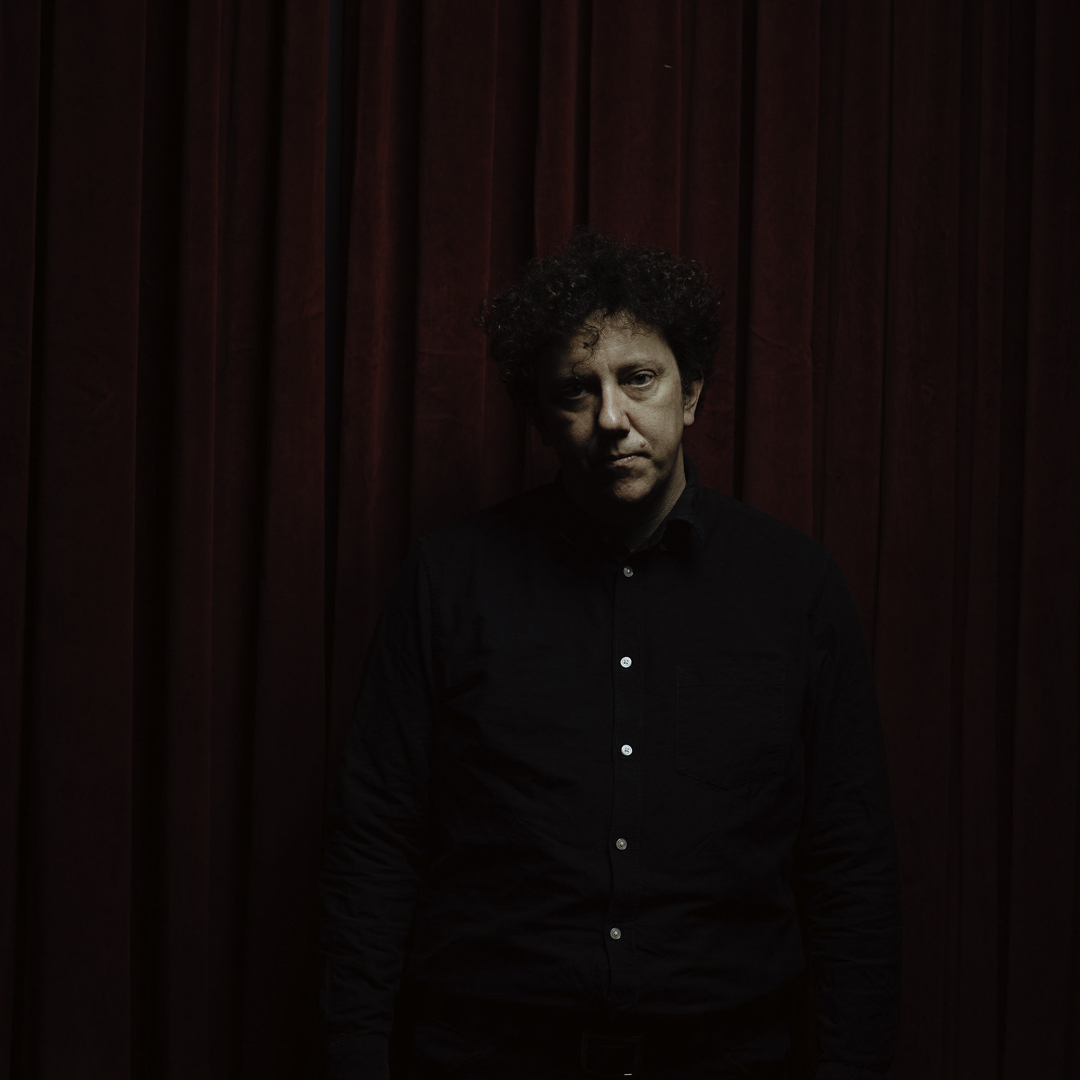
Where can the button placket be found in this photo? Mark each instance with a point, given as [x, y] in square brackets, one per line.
[627, 790]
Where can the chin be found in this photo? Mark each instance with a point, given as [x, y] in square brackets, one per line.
[629, 493]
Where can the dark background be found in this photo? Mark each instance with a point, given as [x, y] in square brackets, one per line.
[219, 436]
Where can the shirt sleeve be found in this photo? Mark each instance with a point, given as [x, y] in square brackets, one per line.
[846, 856]
[378, 844]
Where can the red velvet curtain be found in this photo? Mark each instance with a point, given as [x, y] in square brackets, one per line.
[887, 194]
[161, 612]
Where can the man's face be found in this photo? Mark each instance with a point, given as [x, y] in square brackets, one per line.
[614, 413]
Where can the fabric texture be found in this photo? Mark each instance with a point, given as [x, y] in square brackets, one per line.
[161, 560]
[586, 778]
[471, 1044]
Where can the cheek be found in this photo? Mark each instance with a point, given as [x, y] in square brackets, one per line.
[570, 431]
[663, 427]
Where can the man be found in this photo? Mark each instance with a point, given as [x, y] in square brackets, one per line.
[609, 731]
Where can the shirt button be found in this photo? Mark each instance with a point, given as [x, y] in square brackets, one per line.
[628, 571]
[627, 749]
[620, 844]
[615, 932]
[626, 661]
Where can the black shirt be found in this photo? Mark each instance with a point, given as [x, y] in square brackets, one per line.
[581, 778]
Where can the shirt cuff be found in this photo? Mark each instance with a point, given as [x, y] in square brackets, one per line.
[357, 1057]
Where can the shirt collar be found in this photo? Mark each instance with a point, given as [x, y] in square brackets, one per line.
[575, 527]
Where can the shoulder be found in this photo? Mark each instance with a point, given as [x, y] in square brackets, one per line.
[735, 520]
[507, 526]
[757, 540]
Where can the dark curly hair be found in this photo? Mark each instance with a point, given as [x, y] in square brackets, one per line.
[554, 297]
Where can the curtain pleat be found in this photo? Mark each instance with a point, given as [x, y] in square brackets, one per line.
[163, 536]
[20, 41]
[1043, 958]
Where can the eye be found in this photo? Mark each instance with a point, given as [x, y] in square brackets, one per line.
[571, 391]
[641, 378]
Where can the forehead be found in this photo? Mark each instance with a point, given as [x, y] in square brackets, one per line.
[609, 343]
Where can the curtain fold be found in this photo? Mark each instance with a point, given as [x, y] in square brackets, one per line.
[164, 723]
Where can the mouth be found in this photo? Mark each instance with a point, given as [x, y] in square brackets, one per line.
[620, 461]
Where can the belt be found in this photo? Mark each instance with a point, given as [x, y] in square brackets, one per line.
[602, 1044]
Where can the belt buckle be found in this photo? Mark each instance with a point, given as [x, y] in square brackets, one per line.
[611, 1055]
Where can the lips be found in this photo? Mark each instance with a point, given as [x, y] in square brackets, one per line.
[620, 461]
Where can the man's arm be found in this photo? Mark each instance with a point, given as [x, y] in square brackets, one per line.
[846, 856]
[378, 844]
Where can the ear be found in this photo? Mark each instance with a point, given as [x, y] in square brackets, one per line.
[690, 401]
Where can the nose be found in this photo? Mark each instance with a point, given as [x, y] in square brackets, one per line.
[612, 415]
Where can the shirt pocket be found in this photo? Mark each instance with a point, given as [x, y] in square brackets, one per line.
[729, 720]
